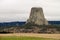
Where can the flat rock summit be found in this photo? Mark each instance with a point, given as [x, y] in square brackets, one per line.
[37, 16]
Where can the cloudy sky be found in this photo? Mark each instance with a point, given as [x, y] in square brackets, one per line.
[19, 10]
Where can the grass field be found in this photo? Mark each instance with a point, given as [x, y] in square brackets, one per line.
[24, 38]
[29, 36]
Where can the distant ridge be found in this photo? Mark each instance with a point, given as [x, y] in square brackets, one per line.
[54, 22]
[11, 24]
[22, 23]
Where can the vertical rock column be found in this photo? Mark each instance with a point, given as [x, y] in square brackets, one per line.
[37, 16]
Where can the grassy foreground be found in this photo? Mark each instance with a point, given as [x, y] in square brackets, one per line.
[24, 38]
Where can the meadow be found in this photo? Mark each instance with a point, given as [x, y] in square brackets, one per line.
[24, 38]
[29, 36]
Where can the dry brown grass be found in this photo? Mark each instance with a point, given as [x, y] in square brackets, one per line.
[55, 36]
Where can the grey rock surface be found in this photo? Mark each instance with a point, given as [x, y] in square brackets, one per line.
[37, 16]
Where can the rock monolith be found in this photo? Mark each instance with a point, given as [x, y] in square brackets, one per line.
[37, 16]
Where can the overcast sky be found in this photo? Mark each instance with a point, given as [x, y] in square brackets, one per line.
[19, 10]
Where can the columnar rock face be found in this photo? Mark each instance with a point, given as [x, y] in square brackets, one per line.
[37, 16]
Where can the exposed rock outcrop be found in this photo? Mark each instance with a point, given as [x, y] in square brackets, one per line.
[37, 16]
[50, 29]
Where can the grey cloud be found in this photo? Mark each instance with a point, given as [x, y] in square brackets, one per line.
[11, 10]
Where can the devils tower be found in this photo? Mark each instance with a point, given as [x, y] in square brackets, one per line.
[37, 16]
